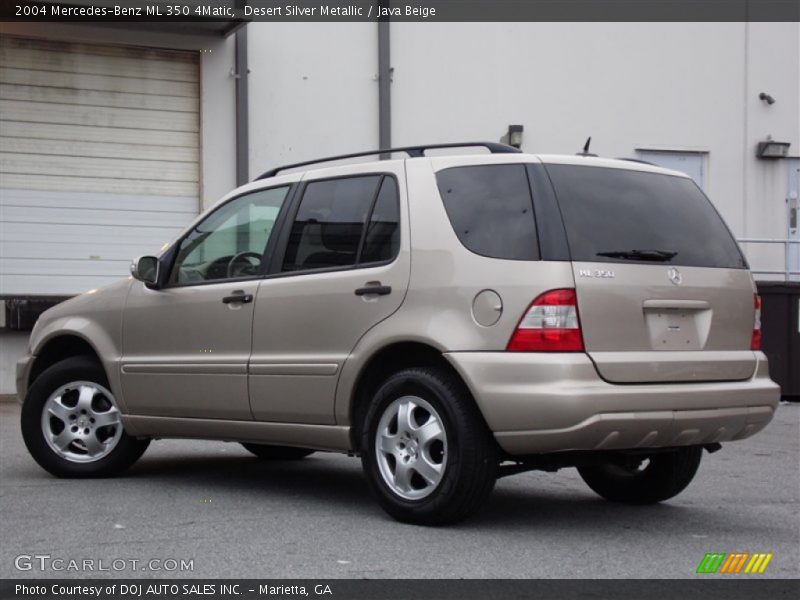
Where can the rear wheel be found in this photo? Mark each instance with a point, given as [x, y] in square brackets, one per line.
[647, 480]
[72, 425]
[277, 452]
[427, 454]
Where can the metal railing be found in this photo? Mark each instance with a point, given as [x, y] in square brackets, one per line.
[787, 246]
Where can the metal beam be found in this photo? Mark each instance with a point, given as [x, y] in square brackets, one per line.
[242, 110]
[384, 86]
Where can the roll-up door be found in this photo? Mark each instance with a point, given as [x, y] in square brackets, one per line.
[99, 160]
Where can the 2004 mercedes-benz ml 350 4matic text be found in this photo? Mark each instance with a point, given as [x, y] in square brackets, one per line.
[450, 319]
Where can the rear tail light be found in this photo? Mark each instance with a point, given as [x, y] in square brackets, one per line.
[755, 341]
[550, 324]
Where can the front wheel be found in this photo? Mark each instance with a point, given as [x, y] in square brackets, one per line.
[645, 480]
[428, 456]
[71, 424]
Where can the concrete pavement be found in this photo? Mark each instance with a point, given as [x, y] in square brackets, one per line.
[235, 516]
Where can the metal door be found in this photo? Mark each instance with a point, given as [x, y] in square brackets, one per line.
[691, 163]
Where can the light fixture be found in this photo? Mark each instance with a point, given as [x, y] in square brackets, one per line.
[771, 149]
[514, 136]
[766, 98]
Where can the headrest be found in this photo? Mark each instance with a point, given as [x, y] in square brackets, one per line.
[341, 237]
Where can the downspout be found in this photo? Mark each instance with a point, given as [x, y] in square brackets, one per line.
[384, 87]
[242, 112]
[746, 150]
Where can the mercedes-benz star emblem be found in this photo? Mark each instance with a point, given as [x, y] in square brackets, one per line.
[675, 276]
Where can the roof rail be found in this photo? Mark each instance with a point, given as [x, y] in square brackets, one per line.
[412, 151]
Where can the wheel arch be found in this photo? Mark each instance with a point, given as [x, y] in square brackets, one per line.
[59, 347]
[390, 359]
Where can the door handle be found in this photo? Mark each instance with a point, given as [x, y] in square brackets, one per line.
[238, 298]
[377, 290]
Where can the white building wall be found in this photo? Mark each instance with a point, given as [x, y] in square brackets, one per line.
[313, 91]
[669, 86]
[773, 66]
[13, 345]
[217, 118]
[659, 86]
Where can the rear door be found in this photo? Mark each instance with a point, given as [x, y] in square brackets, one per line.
[664, 293]
[343, 266]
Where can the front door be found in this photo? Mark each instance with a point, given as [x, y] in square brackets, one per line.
[186, 345]
[343, 268]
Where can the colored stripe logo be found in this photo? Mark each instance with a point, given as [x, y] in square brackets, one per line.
[734, 563]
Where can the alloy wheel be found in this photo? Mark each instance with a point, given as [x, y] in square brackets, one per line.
[411, 447]
[81, 422]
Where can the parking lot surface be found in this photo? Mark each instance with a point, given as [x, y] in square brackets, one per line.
[233, 515]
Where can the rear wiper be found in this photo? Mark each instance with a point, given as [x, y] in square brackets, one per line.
[652, 255]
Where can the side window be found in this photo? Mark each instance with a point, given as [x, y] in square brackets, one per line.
[382, 240]
[491, 210]
[329, 229]
[231, 241]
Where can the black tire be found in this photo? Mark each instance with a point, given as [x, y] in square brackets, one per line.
[469, 473]
[666, 475]
[277, 452]
[78, 368]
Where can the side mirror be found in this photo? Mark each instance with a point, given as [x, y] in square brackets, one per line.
[145, 269]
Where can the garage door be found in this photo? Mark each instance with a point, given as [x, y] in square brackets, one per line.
[99, 160]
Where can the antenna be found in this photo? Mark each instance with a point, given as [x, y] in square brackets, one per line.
[585, 151]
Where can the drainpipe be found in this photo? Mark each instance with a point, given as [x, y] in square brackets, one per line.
[384, 87]
[242, 114]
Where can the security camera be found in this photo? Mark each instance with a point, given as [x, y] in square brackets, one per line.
[766, 98]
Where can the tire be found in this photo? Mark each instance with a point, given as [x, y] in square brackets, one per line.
[666, 475]
[460, 462]
[277, 452]
[99, 447]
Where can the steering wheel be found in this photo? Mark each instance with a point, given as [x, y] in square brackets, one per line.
[239, 265]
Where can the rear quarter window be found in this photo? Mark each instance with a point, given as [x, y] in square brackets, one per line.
[490, 209]
[612, 210]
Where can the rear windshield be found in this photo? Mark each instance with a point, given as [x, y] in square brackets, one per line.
[641, 217]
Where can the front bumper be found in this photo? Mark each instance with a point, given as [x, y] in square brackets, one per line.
[539, 403]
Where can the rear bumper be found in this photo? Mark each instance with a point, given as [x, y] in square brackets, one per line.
[538, 403]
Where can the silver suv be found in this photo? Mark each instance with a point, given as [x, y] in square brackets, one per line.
[450, 319]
